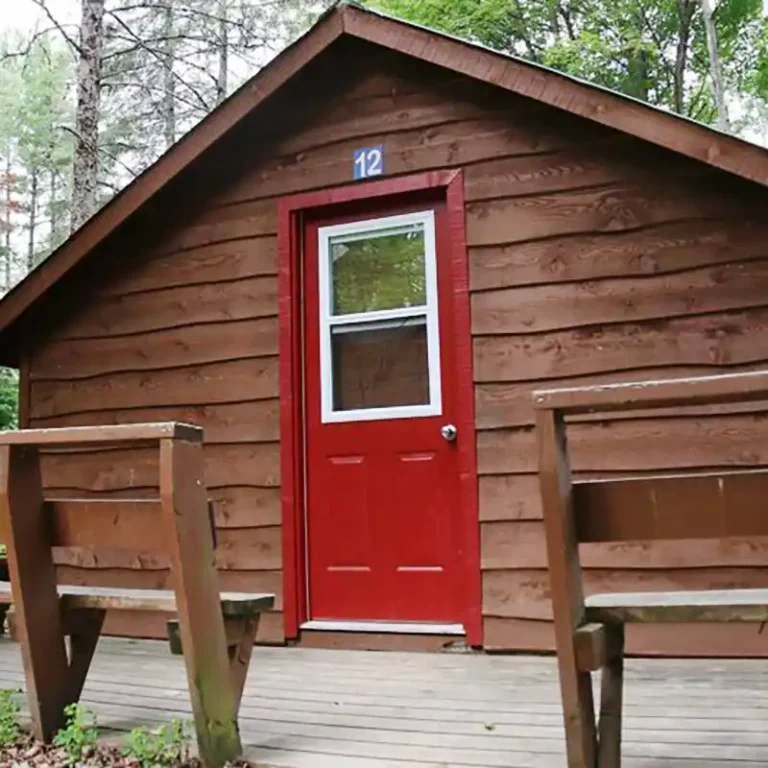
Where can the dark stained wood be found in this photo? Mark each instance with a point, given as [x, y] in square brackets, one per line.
[591, 647]
[637, 445]
[661, 249]
[524, 593]
[609, 208]
[190, 546]
[90, 435]
[714, 506]
[567, 596]
[38, 619]
[719, 339]
[611, 702]
[215, 263]
[166, 308]
[572, 305]
[657, 394]
[255, 421]
[224, 382]
[521, 544]
[178, 347]
[247, 465]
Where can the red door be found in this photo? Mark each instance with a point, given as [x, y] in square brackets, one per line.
[383, 510]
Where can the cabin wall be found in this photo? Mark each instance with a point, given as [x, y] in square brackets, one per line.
[593, 258]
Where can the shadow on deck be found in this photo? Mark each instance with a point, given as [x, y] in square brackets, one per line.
[354, 709]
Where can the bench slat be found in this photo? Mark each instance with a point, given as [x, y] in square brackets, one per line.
[233, 604]
[103, 434]
[731, 605]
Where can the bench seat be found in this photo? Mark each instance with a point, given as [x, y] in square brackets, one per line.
[233, 604]
[728, 605]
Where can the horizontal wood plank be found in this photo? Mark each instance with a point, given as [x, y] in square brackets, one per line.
[718, 340]
[522, 544]
[659, 249]
[611, 208]
[239, 549]
[525, 593]
[636, 445]
[177, 347]
[250, 465]
[174, 308]
[224, 382]
[711, 506]
[118, 433]
[612, 300]
[249, 422]
[219, 262]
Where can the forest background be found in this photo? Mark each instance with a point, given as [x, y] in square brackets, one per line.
[94, 91]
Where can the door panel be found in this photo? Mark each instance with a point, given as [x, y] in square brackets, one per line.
[382, 483]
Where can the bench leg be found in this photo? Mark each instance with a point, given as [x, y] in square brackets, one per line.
[37, 616]
[611, 690]
[84, 627]
[194, 577]
[240, 654]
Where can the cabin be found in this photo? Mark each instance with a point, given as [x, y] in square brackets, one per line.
[353, 274]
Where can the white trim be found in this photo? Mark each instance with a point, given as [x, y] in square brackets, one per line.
[389, 627]
[429, 311]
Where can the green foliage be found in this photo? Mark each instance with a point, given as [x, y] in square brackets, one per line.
[9, 399]
[654, 50]
[9, 718]
[164, 746]
[79, 734]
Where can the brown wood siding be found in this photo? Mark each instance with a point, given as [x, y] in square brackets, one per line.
[592, 256]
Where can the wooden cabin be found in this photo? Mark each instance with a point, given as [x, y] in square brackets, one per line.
[353, 274]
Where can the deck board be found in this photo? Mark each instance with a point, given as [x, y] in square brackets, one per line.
[306, 708]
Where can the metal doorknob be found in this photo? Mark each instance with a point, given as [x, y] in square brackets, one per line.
[449, 432]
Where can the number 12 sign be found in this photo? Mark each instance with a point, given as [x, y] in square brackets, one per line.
[367, 162]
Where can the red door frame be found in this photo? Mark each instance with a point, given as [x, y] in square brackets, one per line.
[291, 390]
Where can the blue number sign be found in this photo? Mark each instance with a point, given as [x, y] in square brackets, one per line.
[368, 161]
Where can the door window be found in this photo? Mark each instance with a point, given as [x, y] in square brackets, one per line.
[379, 337]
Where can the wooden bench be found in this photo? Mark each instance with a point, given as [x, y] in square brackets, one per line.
[215, 632]
[589, 633]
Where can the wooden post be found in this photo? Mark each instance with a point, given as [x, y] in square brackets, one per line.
[567, 593]
[611, 690]
[194, 578]
[33, 581]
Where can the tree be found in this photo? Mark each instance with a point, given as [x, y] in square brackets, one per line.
[9, 399]
[655, 50]
[85, 194]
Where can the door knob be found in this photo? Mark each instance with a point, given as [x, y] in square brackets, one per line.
[449, 432]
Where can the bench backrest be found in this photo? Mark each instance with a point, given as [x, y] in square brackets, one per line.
[125, 533]
[692, 505]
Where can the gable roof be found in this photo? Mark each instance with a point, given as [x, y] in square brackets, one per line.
[516, 75]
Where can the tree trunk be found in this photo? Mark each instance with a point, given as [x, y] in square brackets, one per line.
[8, 204]
[169, 85]
[85, 197]
[714, 66]
[52, 212]
[685, 17]
[32, 223]
[221, 80]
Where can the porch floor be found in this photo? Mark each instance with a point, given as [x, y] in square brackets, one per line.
[354, 709]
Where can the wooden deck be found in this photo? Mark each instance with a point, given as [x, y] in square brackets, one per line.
[352, 709]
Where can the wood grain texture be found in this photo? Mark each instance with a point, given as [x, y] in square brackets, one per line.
[522, 544]
[636, 444]
[224, 382]
[178, 347]
[251, 465]
[593, 256]
[658, 249]
[578, 304]
[175, 307]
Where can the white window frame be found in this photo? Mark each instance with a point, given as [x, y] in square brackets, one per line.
[378, 319]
